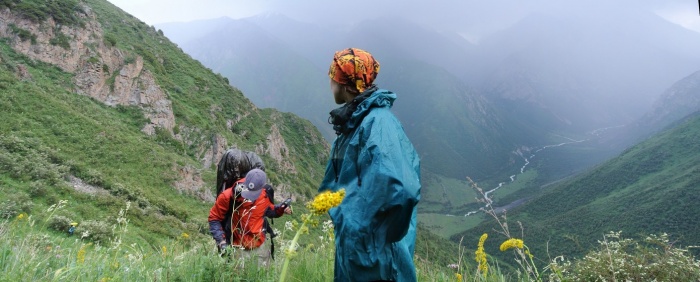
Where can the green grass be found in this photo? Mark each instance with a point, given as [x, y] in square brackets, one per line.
[523, 184]
[445, 201]
[34, 248]
[446, 226]
[440, 194]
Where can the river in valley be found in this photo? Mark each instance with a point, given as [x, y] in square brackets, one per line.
[526, 158]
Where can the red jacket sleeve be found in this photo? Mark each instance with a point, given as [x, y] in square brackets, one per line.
[221, 206]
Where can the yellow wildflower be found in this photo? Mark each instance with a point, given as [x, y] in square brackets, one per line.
[512, 243]
[185, 236]
[480, 255]
[325, 201]
[165, 250]
[459, 277]
[81, 254]
[319, 206]
[21, 216]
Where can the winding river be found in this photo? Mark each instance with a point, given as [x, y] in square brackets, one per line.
[488, 193]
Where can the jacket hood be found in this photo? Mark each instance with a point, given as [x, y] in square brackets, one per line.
[378, 99]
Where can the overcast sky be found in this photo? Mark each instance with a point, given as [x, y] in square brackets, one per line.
[469, 17]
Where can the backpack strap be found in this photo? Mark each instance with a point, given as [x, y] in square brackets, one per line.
[270, 192]
[269, 230]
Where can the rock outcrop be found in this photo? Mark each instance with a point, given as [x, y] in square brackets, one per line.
[101, 71]
[277, 149]
[190, 183]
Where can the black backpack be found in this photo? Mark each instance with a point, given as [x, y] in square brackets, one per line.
[234, 165]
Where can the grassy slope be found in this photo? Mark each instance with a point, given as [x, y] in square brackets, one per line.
[104, 146]
[99, 144]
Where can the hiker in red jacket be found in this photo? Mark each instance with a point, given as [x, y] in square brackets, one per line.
[236, 220]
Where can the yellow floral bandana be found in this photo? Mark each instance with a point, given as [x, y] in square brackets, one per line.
[354, 66]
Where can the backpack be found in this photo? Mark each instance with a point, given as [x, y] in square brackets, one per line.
[234, 165]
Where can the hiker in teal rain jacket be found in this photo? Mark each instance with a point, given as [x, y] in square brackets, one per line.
[376, 164]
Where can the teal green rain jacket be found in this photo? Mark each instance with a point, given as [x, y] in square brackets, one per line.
[375, 225]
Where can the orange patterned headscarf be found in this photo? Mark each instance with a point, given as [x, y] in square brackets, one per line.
[354, 66]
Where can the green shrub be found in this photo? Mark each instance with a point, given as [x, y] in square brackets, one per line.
[15, 204]
[7, 79]
[133, 115]
[92, 177]
[93, 60]
[110, 40]
[27, 159]
[110, 80]
[93, 230]
[61, 40]
[59, 223]
[37, 189]
[624, 259]
[23, 34]
[129, 60]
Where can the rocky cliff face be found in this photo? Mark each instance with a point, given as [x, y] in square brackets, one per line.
[101, 71]
[190, 183]
[277, 149]
[681, 99]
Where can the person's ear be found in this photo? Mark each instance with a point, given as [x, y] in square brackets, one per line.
[351, 90]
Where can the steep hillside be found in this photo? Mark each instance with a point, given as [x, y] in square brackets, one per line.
[99, 109]
[681, 99]
[652, 187]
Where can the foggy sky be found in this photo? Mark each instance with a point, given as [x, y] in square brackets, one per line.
[472, 18]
